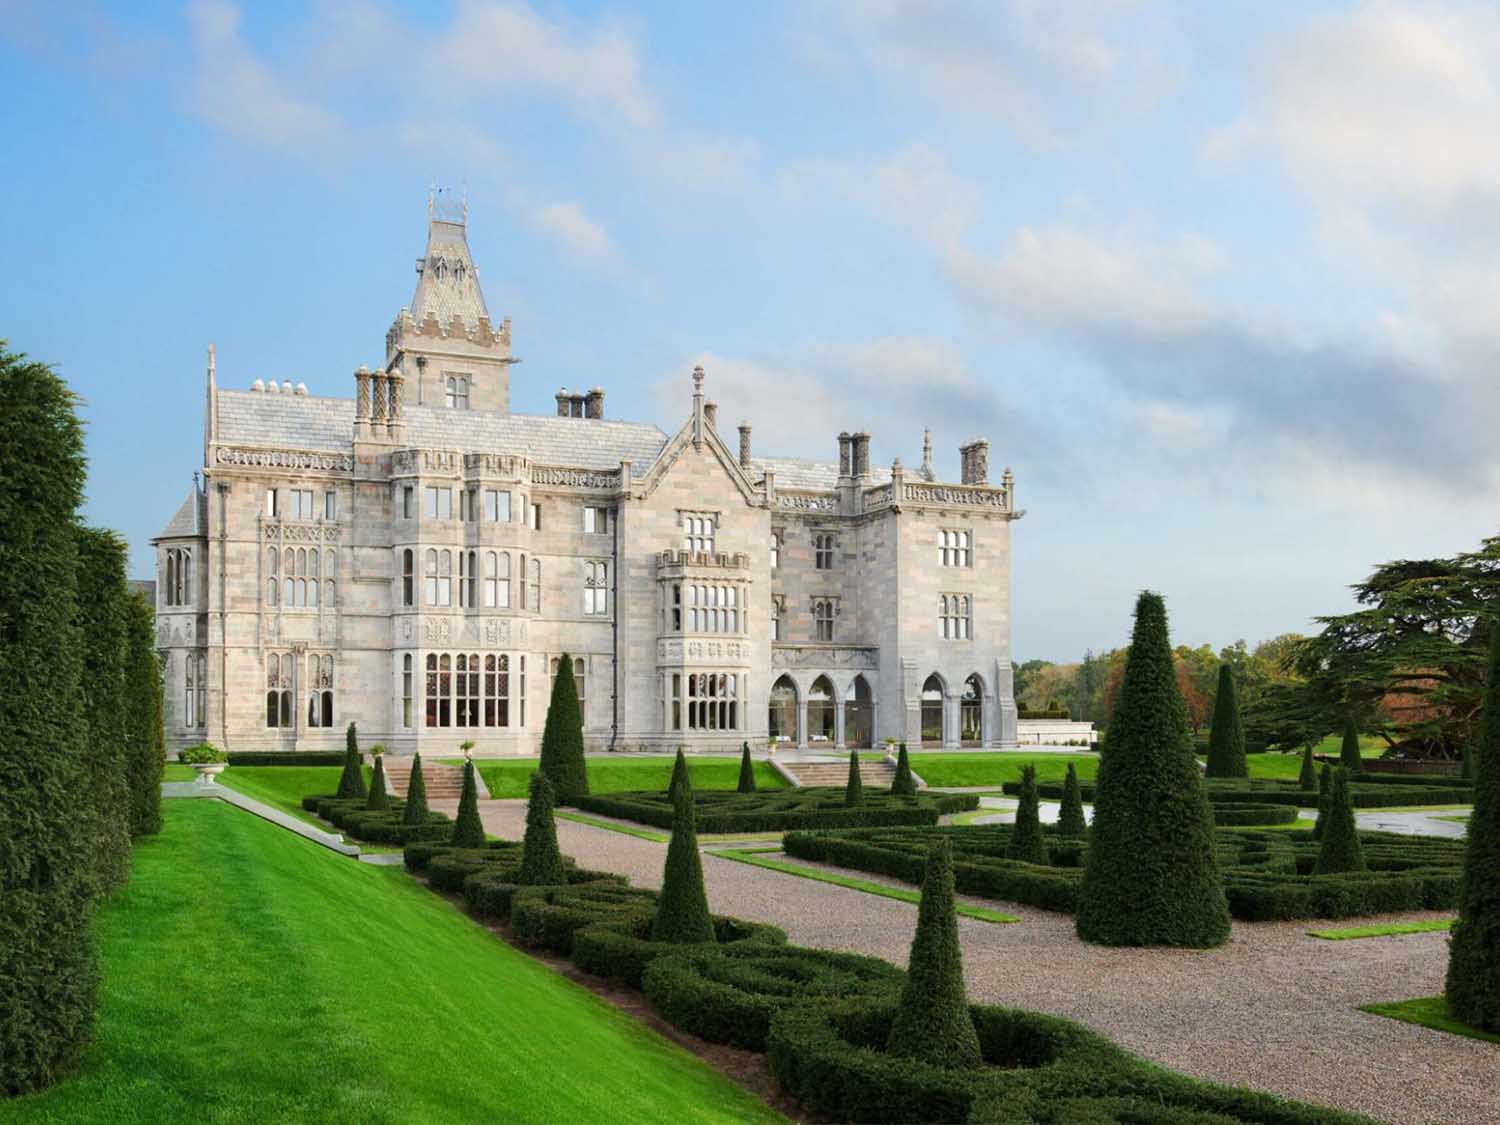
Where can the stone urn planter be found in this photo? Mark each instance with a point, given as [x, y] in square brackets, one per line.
[207, 771]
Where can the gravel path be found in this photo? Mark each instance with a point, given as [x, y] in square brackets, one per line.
[1274, 1009]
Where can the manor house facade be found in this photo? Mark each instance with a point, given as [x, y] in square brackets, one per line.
[417, 559]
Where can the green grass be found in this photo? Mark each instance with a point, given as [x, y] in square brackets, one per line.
[510, 777]
[1429, 1011]
[1384, 930]
[952, 769]
[613, 826]
[756, 858]
[252, 976]
[1464, 819]
[177, 771]
[283, 787]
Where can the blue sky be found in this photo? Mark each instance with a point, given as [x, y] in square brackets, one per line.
[1217, 281]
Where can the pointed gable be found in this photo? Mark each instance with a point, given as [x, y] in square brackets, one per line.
[190, 519]
[447, 279]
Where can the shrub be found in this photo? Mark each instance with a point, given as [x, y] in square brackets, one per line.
[1339, 851]
[549, 917]
[772, 810]
[1349, 756]
[1026, 843]
[416, 794]
[286, 758]
[1325, 786]
[378, 800]
[1070, 819]
[468, 829]
[562, 738]
[418, 857]
[730, 994]
[1474, 954]
[1226, 740]
[679, 778]
[541, 861]
[682, 916]
[201, 754]
[747, 771]
[1234, 816]
[1308, 778]
[622, 950]
[1151, 876]
[145, 736]
[352, 780]
[490, 891]
[903, 784]
[854, 788]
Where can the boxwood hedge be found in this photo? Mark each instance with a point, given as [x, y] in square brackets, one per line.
[383, 826]
[621, 950]
[1267, 875]
[286, 758]
[548, 917]
[1228, 815]
[1391, 791]
[777, 810]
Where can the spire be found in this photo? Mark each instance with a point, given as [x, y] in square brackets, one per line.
[211, 405]
[447, 279]
[927, 471]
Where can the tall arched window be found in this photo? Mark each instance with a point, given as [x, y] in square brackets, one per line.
[971, 711]
[820, 711]
[457, 389]
[273, 576]
[782, 724]
[823, 612]
[536, 584]
[279, 690]
[932, 711]
[468, 578]
[445, 578]
[432, 578]
[169, 588]
[521, 584]
[406, 689]
[190, 692]
[408, 579]
[859, 728]
[312, 578]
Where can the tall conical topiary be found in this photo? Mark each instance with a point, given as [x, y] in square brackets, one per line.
[468, 829]
[1349, 755]
[541, 860]
[1070, 819]
[145, 731]
[378, 799]
[1026, 843]
[1307, 780]
[562, 737]
[747, 771]
[1325, 788]
[48, 972]
[352, 780]
[854, 788]
[416, 795]
[1474, 953]
[1151, 877]
[1226, 739]
[933, 1022]
[102, 608]
[904, 784]
[1339, 849]
[679, 775]
[682, 910]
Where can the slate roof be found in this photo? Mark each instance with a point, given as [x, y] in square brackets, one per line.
[447, 279]
[307, 422]
[190, 518]
[818, 476]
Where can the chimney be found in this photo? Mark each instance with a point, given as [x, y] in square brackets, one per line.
[974, 459]
[393, 401]
[362, 402]
[861, 443]
[377, 414]
[711, 414]
[562, 402]
[594, 403]
[844, 461]
[744, 445]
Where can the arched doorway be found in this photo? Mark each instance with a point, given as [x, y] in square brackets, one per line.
[821, 713]
[783, 718]
[859, 718]
[932, 711]
[971, 712]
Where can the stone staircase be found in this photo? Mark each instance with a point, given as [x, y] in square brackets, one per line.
[875, 773]
[443, 783]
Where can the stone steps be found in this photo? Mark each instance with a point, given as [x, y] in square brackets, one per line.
[443, 783]
[877, 774]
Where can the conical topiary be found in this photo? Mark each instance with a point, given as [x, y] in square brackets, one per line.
[682, 910]
[1339, 848]
[378, 798]
[1474, 953]
[416, 795]
[1151, 876]
[1026, 843]
[1226, 739]
[562, 737]
[747, 771]
[933, 1022]
[352, 780]
[1325, 786]
[1307, 780]
[854, 790]
[904, 784]
[1070, 820]
[468, 829]
[541, 860]
[679, 775]
[1349, 755]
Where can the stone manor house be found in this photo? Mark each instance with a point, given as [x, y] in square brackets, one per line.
[417, 559]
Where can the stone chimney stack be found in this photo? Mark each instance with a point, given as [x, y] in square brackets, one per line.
[974, 459]
[362, 404]
[744, 445]
[563, 399]
[377, 413]
[594, 403]
[845, 463]
[711, 414]
[861, 443]
[393, 402]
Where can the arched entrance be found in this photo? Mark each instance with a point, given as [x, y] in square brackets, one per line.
[782, 725]
[821, 727]
[932, 711]
[971, 712]
[859, 718]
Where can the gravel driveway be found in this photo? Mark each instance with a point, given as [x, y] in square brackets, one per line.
[1273, 1009]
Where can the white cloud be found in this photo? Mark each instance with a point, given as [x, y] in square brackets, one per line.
[580, 237]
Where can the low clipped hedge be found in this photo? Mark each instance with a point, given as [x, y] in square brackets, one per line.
[418, 857]
[731, 994]
[1391, 791]
[490, 891]
[549, 917]
[780, 809]
[378, 826]
[286, 758]
[833, 1060]
[1268, 876]
[1228, 815]
[621, 950]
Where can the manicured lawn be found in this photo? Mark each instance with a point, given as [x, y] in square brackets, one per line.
[252, 976]
[176, 771]
[1388, 929]
[1429, 1011]
[284, 786]
[957, 768]
[511, 777]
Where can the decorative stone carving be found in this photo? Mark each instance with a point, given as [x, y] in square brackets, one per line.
[574, 478]
[807, 502]
[672, 650]
[438, 632]
[955, 494]
[826, 656]
[299, 459]
[303, 532]
[406, 628]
